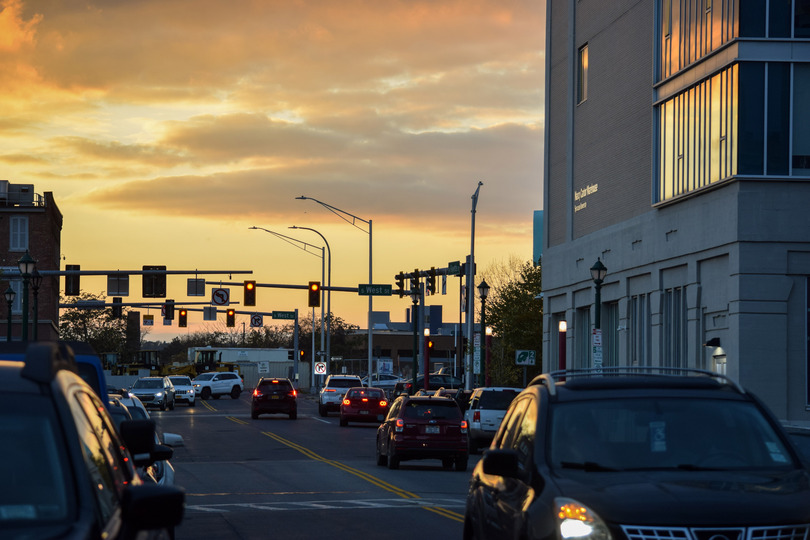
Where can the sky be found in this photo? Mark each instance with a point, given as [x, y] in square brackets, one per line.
[166, 129]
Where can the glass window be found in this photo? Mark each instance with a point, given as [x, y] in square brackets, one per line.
[582, 75]
[778, 118]
[582, 338]
[18, 227]
[498, 400]
[640, 328]
[801, 19]
[801, 109]
[674, 328]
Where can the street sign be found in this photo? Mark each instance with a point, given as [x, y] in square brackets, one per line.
[149, 320]
[209, 313]
[597, 348]
[118, 284]
[454, 268]
[374, 290]
[195, 287]
[320, 368]
[289, 315]
[524, 358]
[256, 320]
[477, 353]
[220, 297]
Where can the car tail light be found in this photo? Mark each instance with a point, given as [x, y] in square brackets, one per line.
[292, 393]
[383, 403]
[400, 425]
[365, 400]
[256, 393]
[347, 402]
[328, 389]
[464, 426]
[476, 416]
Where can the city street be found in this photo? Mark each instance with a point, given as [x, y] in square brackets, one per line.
[304, 478]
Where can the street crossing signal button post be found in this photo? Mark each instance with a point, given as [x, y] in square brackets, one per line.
[314, 294]
[250, 293]
[230, 318]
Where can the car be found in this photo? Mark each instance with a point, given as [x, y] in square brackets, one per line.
[154, 392]
[361, 404]
[69, 471]
[486, 409]
[435, 381]
[274, 395]
[183, 389]
[215, 384]
[331, 395]
[382, 380]
[423, 427]
[636, 453]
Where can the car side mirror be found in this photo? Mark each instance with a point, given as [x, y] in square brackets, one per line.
[161, 452]
[139, 438]
[502, 463]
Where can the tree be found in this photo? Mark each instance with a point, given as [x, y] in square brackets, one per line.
[98, 327]
[516, 316]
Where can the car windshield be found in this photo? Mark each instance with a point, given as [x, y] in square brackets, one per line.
[204, 377]
[497, 400]
[439, 409]
[343, 383]
[663, 433]
[271, 384]
[148, 383]
[180, 381]
[33, 469]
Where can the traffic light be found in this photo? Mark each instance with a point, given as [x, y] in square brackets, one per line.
[168, 310]
[154, 282]
[182, 322]
[230, 319]
[250, 293]
[415, 282]
[117, 309]
[314, 294]
[431, 281]
[401, 284]
[72, 282]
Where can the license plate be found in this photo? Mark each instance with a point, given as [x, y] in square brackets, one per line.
[431, 429]
[363, 412]
[274, 397]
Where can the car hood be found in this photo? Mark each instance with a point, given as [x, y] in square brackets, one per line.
[701, 497]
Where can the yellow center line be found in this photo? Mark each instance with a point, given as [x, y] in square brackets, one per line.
[363, 475]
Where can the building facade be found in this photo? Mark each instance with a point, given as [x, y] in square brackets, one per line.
[29, 222]
[678, 155]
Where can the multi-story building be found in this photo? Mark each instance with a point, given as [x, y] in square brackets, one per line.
[678, 155]
[30, 223]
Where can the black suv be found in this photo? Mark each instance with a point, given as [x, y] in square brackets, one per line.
[65, 470]
[638, 454]
[274, 395]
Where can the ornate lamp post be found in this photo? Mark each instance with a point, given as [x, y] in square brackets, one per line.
[598, 273]
[36, 283]
[483, 292]
[27, 265]
[10, 294]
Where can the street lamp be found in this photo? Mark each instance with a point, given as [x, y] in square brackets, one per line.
[10, 294]
[598, 273]
[483, 292]
[342, 214]
[487, 350]
[27, 265]
[36, 282]
[562, 329]
[426, 359]
[328, 296]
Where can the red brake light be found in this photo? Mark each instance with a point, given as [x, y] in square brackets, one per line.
[383, 403]
[365, 399]
[293, 393]
[400, 425]
[328, 389]
[476, 416]
[347, 402]
[256, 393]
[464, 426]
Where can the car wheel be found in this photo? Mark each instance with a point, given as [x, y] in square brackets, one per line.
[192, 403]
[461, 464]
[293, 415]
[393, 460]
[343, 421]
[321, 410]
[216, 396]
[473, 446]
[171, 405]
[163, 405]
[206, 393]
[447, 464]
[235, 392]
[382, 459]
[254, 415]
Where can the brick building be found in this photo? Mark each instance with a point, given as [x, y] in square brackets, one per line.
[29, 222]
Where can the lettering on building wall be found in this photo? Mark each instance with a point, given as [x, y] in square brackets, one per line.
[580, 194]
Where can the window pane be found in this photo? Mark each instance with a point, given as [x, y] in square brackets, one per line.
[801, 110]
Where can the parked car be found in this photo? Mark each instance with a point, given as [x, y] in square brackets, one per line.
[51, 486]
[154, 392]
[382, 380]
[638, 453]
[424, 427]
[215, 384]
[435, 381]
[361, 404]
[331, 395]
[184, 389]
[274, 395]
[487, 407]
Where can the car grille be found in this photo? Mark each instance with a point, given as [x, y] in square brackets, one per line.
[795, 532]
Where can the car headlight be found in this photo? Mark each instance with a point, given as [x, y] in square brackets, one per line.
[159, 394]
[577, 521]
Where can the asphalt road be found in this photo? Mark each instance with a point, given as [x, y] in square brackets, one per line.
[305, 478]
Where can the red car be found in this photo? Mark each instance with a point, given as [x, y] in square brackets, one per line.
[423, 427]
[363, 405]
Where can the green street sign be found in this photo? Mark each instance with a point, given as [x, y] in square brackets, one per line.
[374, 290]
[454, 268]
[290, 315]
[524, 358]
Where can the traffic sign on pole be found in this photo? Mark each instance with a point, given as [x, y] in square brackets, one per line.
[365, 289]
[289, 315]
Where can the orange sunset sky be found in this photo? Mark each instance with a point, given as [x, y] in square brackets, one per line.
[166, 128]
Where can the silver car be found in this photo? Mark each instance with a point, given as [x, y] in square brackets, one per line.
[154, 392]
[487, 408]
